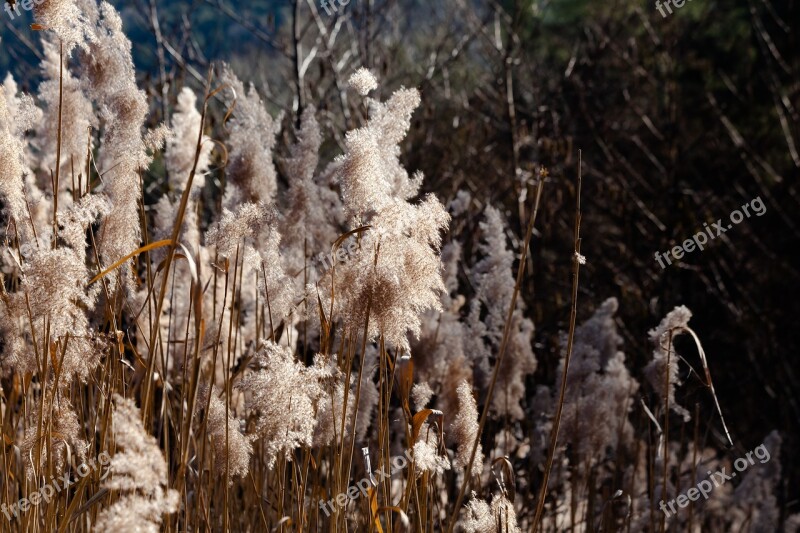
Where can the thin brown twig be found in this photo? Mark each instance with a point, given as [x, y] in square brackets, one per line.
[501, 354]
[577, 260]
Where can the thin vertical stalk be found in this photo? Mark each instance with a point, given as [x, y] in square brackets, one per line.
[500, 356]
[577, 259]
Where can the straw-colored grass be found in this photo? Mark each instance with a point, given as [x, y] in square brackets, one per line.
[236, 387]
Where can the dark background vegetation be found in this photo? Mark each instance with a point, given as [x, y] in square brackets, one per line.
[680, 121]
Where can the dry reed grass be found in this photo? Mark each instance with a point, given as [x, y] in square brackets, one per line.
[257, 378]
